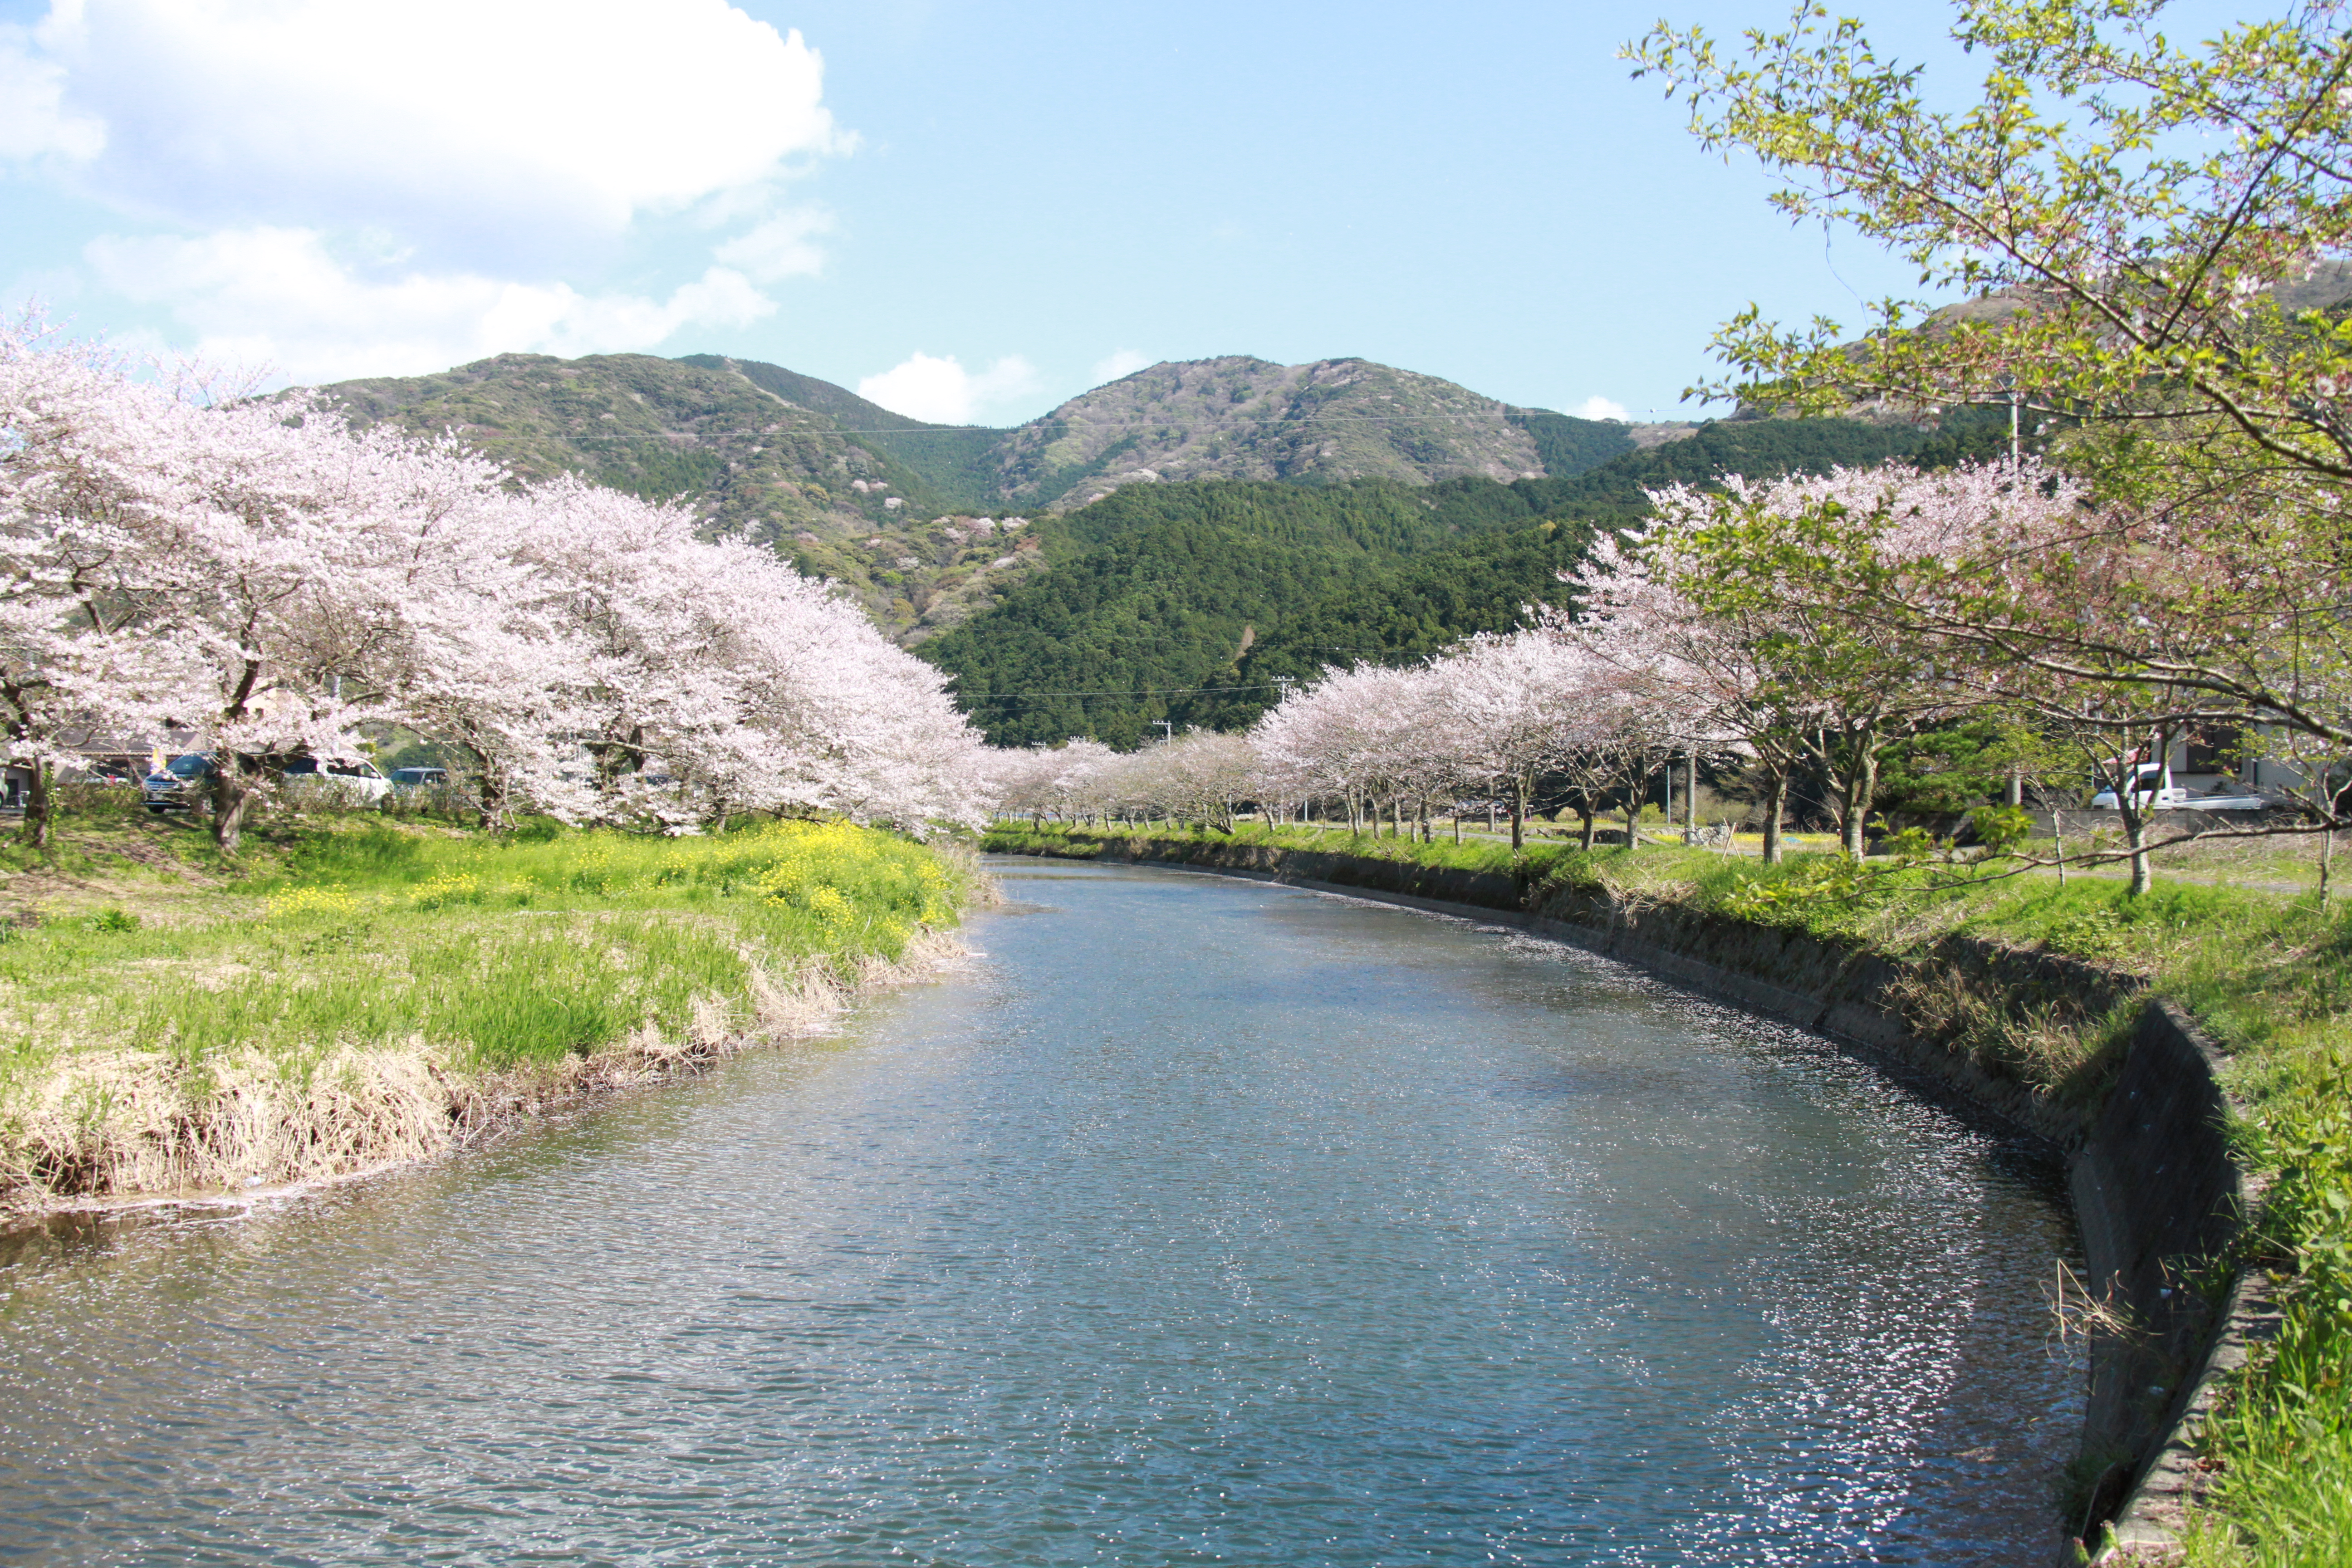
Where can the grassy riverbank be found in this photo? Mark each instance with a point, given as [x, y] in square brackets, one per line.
[2264, 970]
[2269, 974]
[361, 990]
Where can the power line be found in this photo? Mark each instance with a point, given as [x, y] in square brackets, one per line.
[1179, 424]
[1152, 691]
[1160, 691]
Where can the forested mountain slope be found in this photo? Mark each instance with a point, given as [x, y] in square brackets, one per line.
[756, 444]
[922, 522]
[937, 468]
[1159, 582]
[742, 456]
[1190, 604]
[1398, 615]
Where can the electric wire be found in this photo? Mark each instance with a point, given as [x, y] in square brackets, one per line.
[1123, 691]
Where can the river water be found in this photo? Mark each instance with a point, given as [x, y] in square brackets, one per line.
[1201, 1221]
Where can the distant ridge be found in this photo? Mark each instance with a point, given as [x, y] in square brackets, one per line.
[1243, 418]
[910, 516]
[750, 441]
[1194, 603]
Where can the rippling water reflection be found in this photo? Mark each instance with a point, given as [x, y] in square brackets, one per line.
[1205, 1222]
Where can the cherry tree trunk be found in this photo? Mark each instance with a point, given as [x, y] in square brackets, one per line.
[2143, 870]
[492, 797]
[233, 795]
[1518, 813]
[1775, 806]
[40, 805]
[1861, 788]
[1591, 819]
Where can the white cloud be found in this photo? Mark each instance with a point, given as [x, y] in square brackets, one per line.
[380, 189]
[1598, 408]
[779, 247]
[1119, 364]
[460, 123]
[941, 391]
[282, 296]
[34, 121]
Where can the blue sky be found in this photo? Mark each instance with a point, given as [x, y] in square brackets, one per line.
[972, 211]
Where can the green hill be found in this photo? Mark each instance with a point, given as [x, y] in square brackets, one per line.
[938, 468]
[1243, 418]
[1155, 584]
[1401, 615]
[1191, 604]
[1569, 446]
[926, 525]
[757, 445]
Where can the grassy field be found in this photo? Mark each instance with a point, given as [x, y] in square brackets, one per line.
[2267, 972]
[361, 988]
[2287, 863]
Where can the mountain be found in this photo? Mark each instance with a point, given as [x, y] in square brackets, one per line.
[1244, 418]
[743, 454]
[1191, 603]
[937, 468]
[844, 488]
[925, 524]
[1155, 584]
[1224, 523]
[1397, 615]
[753, 441]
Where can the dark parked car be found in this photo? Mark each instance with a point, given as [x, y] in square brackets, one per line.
[175, 786]
[419, 778]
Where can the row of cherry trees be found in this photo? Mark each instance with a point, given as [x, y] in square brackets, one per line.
[259, 578]
[1819, 619]
[1801, 625]
[1484, 721]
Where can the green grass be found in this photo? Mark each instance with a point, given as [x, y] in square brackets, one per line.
[491, 955]
[2267, 972]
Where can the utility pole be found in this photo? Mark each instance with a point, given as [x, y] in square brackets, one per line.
[1167, 729]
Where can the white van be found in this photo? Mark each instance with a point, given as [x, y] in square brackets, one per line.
[2151, 788]
[354, 779]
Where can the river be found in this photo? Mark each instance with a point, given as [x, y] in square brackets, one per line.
[1198, 1221]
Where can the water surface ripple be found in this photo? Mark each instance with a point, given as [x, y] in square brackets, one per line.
[1205, 1221]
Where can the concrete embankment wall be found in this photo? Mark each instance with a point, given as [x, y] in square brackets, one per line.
[2157, 1188]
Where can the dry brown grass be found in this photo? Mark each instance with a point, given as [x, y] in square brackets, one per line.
[108, 1127]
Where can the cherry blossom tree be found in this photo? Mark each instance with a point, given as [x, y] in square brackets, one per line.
[1523, 703]
[70, 658]
[1757, 600]
[2145, 228]
[1826, 614]
[257, 573]
[1370, 737]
